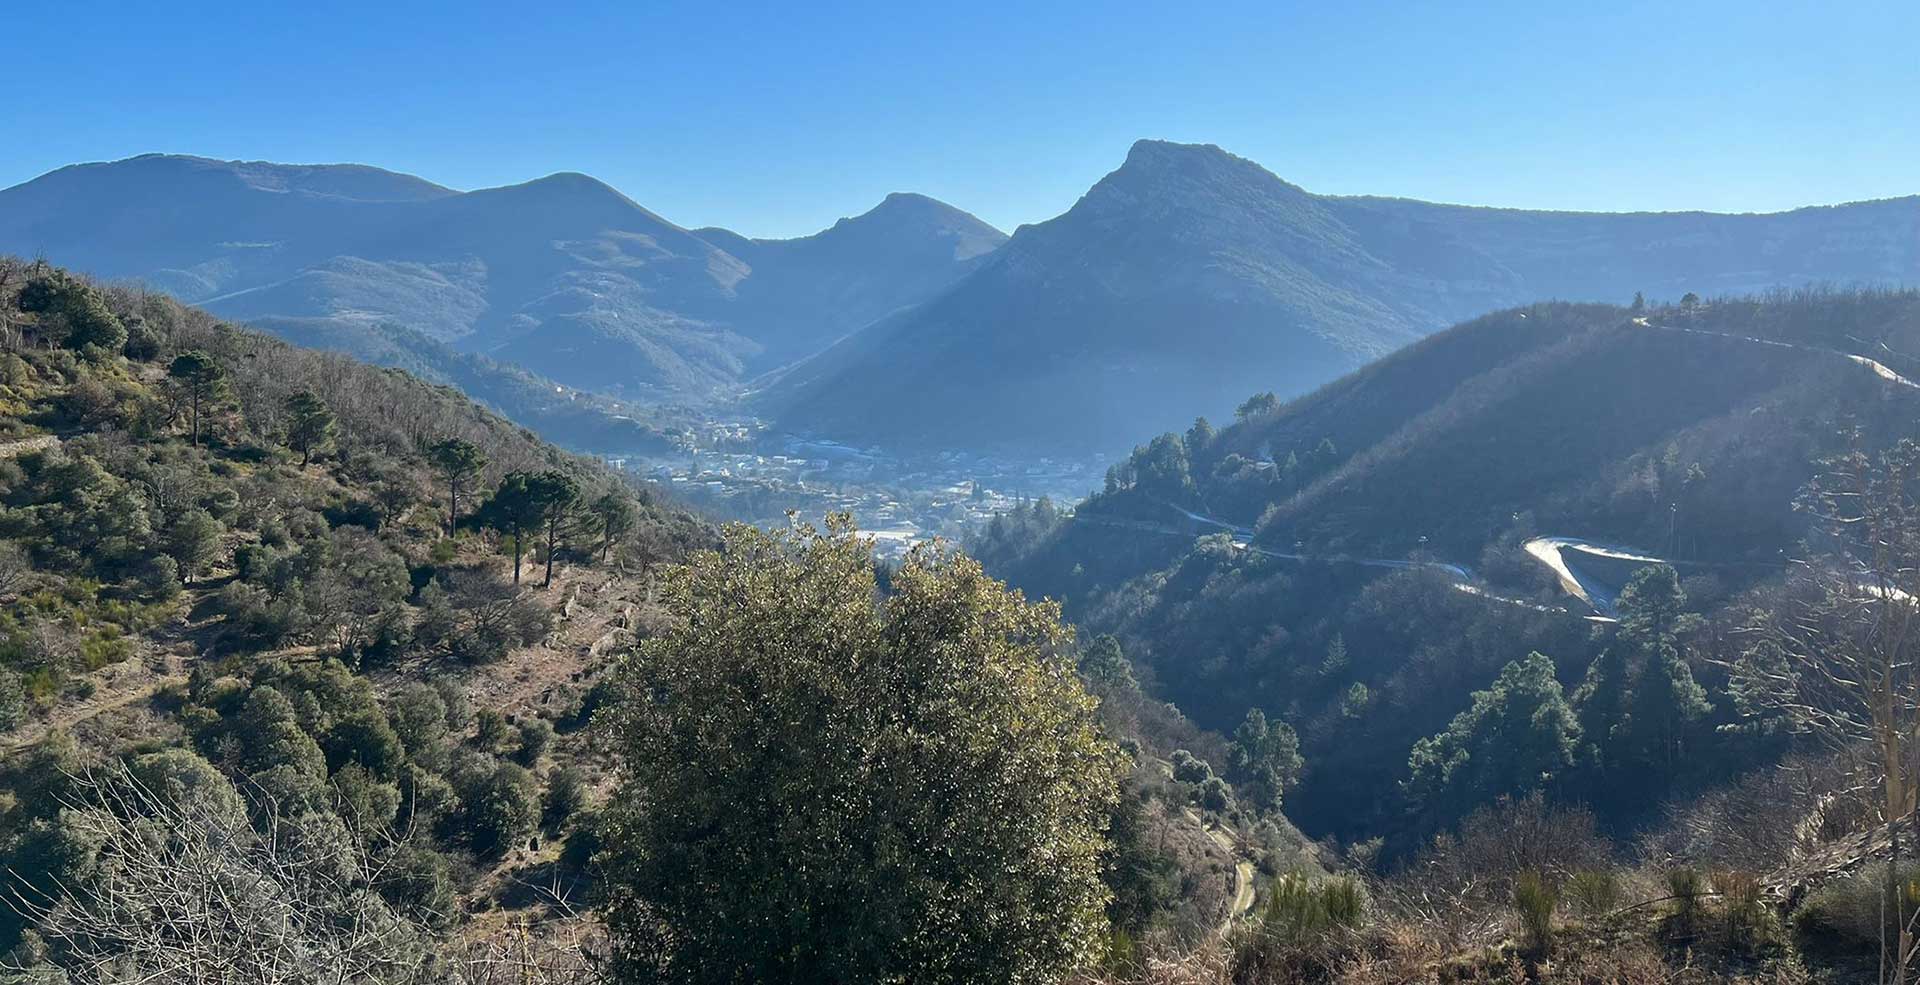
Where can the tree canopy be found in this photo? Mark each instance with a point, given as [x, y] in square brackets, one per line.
[824, 785]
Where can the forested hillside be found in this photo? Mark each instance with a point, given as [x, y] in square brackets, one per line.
[1356, 562]
[231, 563]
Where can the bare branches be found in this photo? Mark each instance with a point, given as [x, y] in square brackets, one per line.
[182, 887]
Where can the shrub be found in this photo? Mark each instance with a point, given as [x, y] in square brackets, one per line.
[1853, 911]
[1750, 923]
[13, 700]
[566, 795]
[1685, 885]
[1534, 900]
[490, 730]
[1300, 910]
[1593, 893]
[1188, 768]
[1215, 795]
[536, 734]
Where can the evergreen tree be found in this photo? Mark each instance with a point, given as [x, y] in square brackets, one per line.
[1265, 758]
[916, 790]
[1667, 703]
[1517, 736]
[458, 461]
[527, 502]
[1601, 703]
[202, 380]
[1199, 437]
[310, 424]
[559, 499]
[1103, 662]
[615, 515]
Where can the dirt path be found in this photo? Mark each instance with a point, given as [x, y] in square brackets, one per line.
[35, 732]
[1243, 871]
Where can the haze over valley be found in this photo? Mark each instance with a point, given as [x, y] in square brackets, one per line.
[1182, 282]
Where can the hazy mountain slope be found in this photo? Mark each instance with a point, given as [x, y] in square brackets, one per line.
[806, 293]
[1190, 277]
[565, 416]
[563, 275]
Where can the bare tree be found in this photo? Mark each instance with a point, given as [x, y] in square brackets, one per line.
[185, 889]
[1837, 658]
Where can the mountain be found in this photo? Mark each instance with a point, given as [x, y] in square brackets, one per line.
[1190, 277]
[161, 571]
[813, 290]
[1360, 560]
[563, 276]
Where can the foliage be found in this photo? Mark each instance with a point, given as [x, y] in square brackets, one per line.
[309, 611]
[310, 425]
[915, 789]
[1518, 734]
[1265, 757]
[1594, 893]
[1299, 908]
[1534, 900]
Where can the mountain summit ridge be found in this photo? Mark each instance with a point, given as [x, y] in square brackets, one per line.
[563, 274]
[1189, 277]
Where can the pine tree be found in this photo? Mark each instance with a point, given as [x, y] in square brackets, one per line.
[1667, 703]
[202, 380]
[458, 461]
[309, 424]
[1517, 736]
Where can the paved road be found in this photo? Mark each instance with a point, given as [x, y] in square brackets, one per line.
[1596, 593]
[1878, 368]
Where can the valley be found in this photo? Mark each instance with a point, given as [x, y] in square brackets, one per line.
[1498, 581]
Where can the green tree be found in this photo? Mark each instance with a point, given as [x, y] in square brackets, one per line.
[499, 804]
[615, 515]
[88, 320]
[915, 791]
[202, 380]
[310, 424]
[1102, 662]
[458, 461]
[1601, 704]
[1162, 469]
[1667, 704]
[1517, 736]
[1199, 436]
[526, 502]
[1265, 758]
[193, 541]
[559, 498]
[1257, 405]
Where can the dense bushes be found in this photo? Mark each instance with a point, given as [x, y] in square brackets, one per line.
[207, 499]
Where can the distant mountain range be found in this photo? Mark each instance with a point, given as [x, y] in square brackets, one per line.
[1189, 278]
[1182, 282]
[563, 276]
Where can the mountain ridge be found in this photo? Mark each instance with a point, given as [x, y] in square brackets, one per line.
[563, 274]
[1189, 276]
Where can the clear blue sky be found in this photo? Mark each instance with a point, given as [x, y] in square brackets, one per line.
[775, 119]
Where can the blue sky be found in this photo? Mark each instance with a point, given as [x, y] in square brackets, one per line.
[775, 119]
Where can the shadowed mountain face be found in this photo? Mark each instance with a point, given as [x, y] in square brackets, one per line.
[1189, 278]
[564, 275]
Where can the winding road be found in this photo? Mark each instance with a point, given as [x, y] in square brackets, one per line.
[1579, 565]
